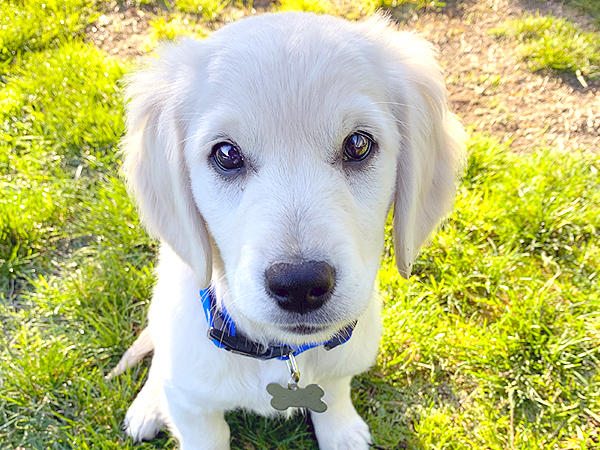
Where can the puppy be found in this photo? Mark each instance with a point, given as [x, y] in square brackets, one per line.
[266, 158]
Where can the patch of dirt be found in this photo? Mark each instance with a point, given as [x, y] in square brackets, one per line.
[492, 90]
[124, 30]
[490, 87]
[121, 31]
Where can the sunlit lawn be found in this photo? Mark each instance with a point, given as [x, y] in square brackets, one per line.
[492, 344]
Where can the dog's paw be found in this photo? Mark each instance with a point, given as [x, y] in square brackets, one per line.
[350, 435]
[143, 420]
[355, 436]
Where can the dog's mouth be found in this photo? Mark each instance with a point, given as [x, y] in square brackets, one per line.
[304, 329]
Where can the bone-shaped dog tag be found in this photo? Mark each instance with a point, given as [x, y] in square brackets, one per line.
[308, 397]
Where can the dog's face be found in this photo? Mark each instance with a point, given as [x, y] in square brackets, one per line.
[272, 152]
[294, 182]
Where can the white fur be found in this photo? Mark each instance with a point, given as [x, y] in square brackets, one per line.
[287, 88]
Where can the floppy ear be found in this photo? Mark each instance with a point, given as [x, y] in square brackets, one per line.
[154, 160]
[432, 140]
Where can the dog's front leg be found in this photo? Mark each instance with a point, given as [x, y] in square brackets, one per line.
[340, 427]
[196, 428]
[207, 431]
[145, 417]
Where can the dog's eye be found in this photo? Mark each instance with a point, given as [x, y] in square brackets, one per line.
[357, 146]
[227, 156]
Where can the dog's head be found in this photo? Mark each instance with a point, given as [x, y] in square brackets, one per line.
[269, 155]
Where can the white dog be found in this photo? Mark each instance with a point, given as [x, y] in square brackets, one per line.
[266, 158]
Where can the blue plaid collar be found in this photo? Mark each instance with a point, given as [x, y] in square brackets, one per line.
[222, 331]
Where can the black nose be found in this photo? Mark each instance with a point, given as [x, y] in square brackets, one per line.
[300, 287]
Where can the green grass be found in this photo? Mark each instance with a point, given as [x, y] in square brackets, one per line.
[172, 28]
[52, 152]
[207, 8]
[492, 344]
[314, 6]
[503, 308]
[30, 25]
[556, 44]
[353, 10]
[417, 4]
